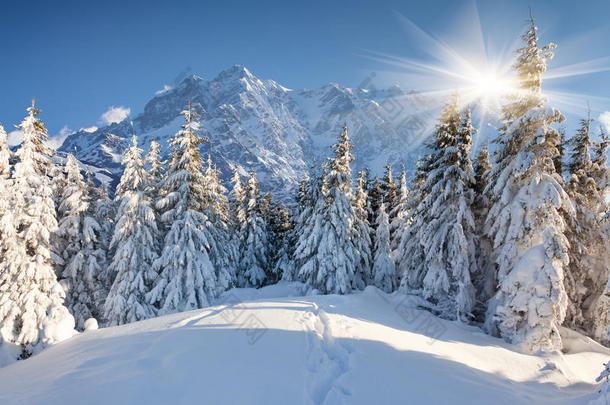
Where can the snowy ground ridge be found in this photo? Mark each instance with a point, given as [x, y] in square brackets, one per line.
[274, 346]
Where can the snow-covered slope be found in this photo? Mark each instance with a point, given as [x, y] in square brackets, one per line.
[366, 348]
[258, 123]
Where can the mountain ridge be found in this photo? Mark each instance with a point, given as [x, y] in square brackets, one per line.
[262, 125]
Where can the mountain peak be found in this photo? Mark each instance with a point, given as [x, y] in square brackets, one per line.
[235, 72]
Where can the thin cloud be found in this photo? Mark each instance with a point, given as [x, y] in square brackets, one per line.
[604, 118]
[56, 141]
[115, 114]
[165, 89]
[15, 137]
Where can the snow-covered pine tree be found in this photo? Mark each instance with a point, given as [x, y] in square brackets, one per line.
[409, 253]
[558, 160]
[155, 165]
[524, 221]
[597, 315]
[82, 256]
[133, 244]
[101, 209]
[446, 232]
[282, 244]
[156, 171]
[187, 276]
[399, 213]
[368, 182]
[104, 212]
[482, 167]
[237, 202]
[223, 253]
[265, 208]
[326, 247]
[9, 248]
[310, 190]
[600, 171]
[5, 174]
[484, 280]
[254, 250]
[237, 217]
[383, 266]
[375, 198]
[587, 271]
[57, 174]
[277, 223]
[215, 193]
[362, 235]
[389, 189]
[32, 313]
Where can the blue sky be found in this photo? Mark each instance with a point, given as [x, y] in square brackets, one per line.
[81, 57]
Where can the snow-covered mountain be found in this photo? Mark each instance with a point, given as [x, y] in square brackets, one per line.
[262, 347]
[259, 124]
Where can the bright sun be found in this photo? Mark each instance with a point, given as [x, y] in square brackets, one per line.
[490, 87]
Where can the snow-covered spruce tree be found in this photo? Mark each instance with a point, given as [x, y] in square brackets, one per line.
[253, 263]
[58, 174]
[389, 188]
[446, 230]
[399, 213]
[383, 266]
[133, 244]
[309, 192]
[5, 174]
[155, 165]
[409, 253]
[362, 236]
[9, 243]
[237, 202]
[484, 281]
[156, 171]
[326, 246]
[223, 253]
[583, 229]
[283, 243]
[597, 313]
[187, 277]
[236, 216]
[524, 221]
[375, 198]
[104, 211]
[284, 264]
[32, 313]
[278, 226]
[215, 193]
[558, 160]
[82, 255]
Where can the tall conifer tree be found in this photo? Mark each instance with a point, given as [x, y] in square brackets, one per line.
[530, 250]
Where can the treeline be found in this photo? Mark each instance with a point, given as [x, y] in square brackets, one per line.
[518, 245]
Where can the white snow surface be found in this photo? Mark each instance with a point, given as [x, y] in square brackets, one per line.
[262, 347]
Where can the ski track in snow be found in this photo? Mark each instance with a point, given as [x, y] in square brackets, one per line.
[328, 359]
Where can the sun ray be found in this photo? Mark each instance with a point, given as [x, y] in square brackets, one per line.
[578, 69]
[481, 71]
